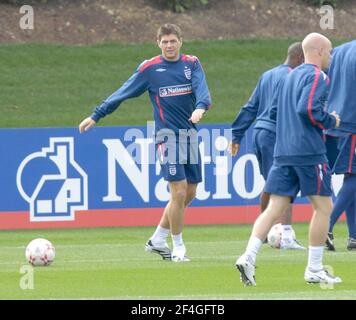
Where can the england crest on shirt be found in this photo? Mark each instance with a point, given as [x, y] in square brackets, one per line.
[187, 72]
[172, 170]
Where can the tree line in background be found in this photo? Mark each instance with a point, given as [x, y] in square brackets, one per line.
[181, 6]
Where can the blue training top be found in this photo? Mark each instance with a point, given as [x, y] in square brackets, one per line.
[342, 96]
[259, 104]
[301, 117]
[176, 89]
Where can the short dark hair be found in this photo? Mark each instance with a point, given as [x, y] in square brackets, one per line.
[169, 28]
[295, 50]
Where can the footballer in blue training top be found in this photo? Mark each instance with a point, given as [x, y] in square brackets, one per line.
[342, 98]
[176, 89]
[300, 162]
[180, 96]
[257, 107]
[264, 133]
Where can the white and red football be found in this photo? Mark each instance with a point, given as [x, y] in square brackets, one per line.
[40, 252]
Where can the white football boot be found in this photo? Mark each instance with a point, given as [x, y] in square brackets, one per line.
[247, 270]
[291, 244]
[178, 254]
[321, 276]
[162, 249]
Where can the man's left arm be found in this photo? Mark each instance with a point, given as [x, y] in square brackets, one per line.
[311, 104]
[201, 91]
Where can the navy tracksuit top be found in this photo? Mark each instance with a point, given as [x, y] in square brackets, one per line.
[301, 117]
[258, 106]
[342, 95]
[176, 89]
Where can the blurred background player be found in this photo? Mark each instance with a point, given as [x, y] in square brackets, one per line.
[180, 96]
[342, 98]
[300, 161]
[264, 133]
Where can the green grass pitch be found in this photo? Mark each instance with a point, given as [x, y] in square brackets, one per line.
[110, 263]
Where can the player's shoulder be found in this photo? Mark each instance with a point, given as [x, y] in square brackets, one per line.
[150, 62]
[345, 47]
[275, 71]
[189, 58]
[268, 73]
[317, 75]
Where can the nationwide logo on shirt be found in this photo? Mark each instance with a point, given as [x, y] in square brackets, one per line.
[175, 90]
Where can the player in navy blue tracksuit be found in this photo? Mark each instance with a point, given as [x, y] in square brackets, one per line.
[180, 96]
[300, 162]
[342, 98]
[264, 133]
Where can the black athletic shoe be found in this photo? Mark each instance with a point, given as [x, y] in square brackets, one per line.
[163, 251]
[351, 244]
[329, 244]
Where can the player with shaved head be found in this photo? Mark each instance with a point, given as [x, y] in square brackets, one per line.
[300, 162]
[264, 133]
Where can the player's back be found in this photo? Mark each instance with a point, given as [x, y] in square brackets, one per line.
[269, 84]
[259, 103]
[342, 96]
[299, 141]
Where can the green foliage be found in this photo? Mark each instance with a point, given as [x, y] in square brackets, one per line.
[57, 85]
[332, 3]
[180, 6]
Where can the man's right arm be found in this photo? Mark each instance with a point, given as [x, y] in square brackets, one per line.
[133, 87]
[246, 116]
[244, 119]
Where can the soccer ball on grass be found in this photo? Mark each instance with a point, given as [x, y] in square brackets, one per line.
[40, 252]
[274, 236]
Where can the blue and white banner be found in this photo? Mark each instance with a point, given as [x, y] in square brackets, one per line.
[51, 173]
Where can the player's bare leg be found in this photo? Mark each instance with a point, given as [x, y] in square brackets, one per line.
[264, 199]
[158, 241]
[318, 230]
[191, 193]
[179, 193]
[275, 209]
[163, 229]
[246, 263]
[190, 196]
[287, 241]
[178, 190]
[171, 221]
[164, 223]
[286, 219]
[319, 223]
